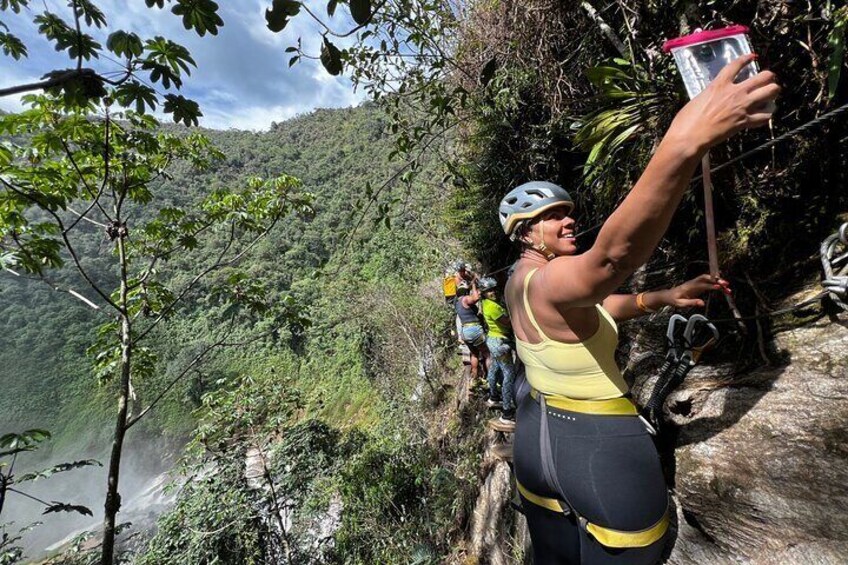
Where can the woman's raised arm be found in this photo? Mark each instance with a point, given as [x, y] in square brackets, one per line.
[632, 232]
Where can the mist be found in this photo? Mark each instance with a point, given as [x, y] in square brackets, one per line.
[145, 471]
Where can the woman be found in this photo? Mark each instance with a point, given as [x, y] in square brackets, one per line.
[500, 345]
[472, 330]
[587, 471]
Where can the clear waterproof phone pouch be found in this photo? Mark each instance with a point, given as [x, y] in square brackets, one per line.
[701, 56]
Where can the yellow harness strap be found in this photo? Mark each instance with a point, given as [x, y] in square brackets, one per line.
[605, 536]
[612, 407]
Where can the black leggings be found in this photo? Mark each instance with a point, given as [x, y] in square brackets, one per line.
[610, 471]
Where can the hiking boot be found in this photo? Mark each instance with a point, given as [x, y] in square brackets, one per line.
[493, 402]
[508, 416]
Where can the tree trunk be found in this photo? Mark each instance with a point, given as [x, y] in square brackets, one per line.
[113, 498]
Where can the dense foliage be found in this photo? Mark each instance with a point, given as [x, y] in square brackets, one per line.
[338, 410]
[582, 95]
[362, 362]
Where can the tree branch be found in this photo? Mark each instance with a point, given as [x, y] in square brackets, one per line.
[96, 200]
[605, 28]
[75, 10]
[50, 284]
[82, 216]
[217, 265]
[88, 189]
[22, 493]
[49, 83]
[68, 245]
[165, 311]
[197, 359]
[350, 32]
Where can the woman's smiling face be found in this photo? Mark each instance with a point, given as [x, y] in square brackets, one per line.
[557, 230]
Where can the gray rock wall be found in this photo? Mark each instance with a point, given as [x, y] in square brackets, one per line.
[761, 461]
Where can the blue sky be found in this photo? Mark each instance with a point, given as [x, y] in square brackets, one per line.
[242, 79]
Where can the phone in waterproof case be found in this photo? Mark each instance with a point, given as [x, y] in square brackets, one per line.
[701, 56]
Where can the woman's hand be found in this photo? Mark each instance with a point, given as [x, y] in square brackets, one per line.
[688, 293]
[724, 107]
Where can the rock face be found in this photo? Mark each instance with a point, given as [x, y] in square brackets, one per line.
[760, 469]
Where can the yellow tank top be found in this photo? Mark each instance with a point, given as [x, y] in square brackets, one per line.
[585, 371]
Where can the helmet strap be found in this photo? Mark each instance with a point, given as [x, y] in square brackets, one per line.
[541, 247]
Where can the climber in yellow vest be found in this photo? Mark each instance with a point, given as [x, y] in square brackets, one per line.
[501, 346]
[458, 274]
[586, 468]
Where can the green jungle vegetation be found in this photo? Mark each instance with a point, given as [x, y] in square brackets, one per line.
[346, 397]
[338, 397]
[334, 153]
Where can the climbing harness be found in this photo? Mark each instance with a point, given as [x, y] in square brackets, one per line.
[614, 407]
[684, 352]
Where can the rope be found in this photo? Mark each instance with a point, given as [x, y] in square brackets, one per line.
[836, 112]
[779, 139]
[496, 271]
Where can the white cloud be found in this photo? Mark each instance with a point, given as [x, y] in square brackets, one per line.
[255, 118]
[9, 78]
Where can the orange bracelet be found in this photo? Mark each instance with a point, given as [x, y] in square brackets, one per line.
[640, 303]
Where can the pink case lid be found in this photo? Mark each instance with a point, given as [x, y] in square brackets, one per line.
[702, 36]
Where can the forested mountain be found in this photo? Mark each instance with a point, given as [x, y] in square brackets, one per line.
[348, 434]
[353, 364]
[333, 152]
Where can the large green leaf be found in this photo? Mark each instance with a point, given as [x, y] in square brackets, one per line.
[15, 5]
[199, 15]
[12, 46]
[90, 13]
[183, 109]
[279, 13]
[134, 92]
[836, 41]
[331, 58]
[602, 76]
[23, 440]
[84, 46]
[55, 29]
[166, 52]
[6, 154]
[60, 468]
[360, 10]
[124, 44]
[56, 506]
